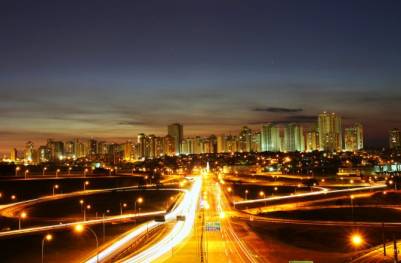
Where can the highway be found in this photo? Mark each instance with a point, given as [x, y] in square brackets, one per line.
[180, 230]
[213, 238]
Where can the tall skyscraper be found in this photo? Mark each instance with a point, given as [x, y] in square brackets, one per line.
[294, 138]
[245, 139]
[221, 144]
[395, 139]
[330, 132]
[176, 131]
[312, 140]
[270, 138]
[29, 151]
[13, 155]
[353, 137]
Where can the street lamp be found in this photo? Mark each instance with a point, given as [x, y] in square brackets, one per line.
[47, 238]
[246, 194]
[44, 170]
[57, 172]
[26, 173]
[356, 240]
[69, 171]
[86, 183]
[21, 217]
[262, 195]
[16, 170]
[122, 205]
[81, 228]
[139, 200]
[56, 186]
[85, 171]
[81, 203]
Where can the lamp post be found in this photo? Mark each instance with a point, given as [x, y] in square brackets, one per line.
[81, 203]
[85, 172]
[104, 225]
[21, 217]
[47, 238]
[26, 173]
[246, 194]
[122, 205]
[56, 186]
[139, 200]
[262, 195]
[69, 171]
[16, 170]
[86, 183]
[81, 228]
[57, 172]
[44, 170]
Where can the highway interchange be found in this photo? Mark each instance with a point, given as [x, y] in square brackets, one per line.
[208, 223]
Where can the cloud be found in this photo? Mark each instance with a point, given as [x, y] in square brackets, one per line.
[132, 123]
[278, 110]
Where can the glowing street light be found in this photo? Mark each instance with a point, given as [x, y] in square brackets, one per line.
[26, 173]
[13, 197]
[55, 187]
[17, 170]
[86, 183]
[123, 205]
[69, 170]
[85, 171]
[79, 228]
[356, 240]
[139, 200]
[57, 172]
[44, 170]
[21, 217]
[246, 194]
[48, 238]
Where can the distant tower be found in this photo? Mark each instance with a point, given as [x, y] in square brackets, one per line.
[330, 132]
[176, 131]
[13, 155]
[270, 138]
[353, 138]
[395, 139]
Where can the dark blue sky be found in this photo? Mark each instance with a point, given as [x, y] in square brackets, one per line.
[112, 69]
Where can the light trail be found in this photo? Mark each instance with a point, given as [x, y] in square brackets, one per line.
[72, 224]
[323, 192]
[181, 229]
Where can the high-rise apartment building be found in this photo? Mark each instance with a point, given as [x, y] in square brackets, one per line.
[330, 132]
[29, 151]
[176, 131]
[353, 137]
[13, 155]
[312, 140]
[294, 138]
[270, 138]
[395, 139]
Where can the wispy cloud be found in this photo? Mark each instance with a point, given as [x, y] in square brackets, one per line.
[278, 110]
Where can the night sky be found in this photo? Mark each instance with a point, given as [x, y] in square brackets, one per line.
[112, 69]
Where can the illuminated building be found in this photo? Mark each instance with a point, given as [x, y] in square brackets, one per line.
[256, 142]
[29, 151]
[56, 149]
[294, 138]
[93, 148]
[270, 138]
[353, 137]
[127, 151]
[13, 155]
[231, 144]
[312, 140]
[176, 131]
[168, 145]
[245, 139]
[221, 144]
[395, 139]
[44, 154]
[330, 132]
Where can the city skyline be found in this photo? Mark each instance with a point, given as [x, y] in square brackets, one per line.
[111, 78]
